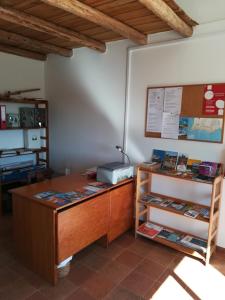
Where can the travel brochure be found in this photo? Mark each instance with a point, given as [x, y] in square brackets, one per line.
[180, 164]
[152, 230]
[189, 210]
[61, 199]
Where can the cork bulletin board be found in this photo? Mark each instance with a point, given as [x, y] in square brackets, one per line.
[189, 112]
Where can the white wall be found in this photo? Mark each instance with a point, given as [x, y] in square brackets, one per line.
[18, 73]
[87, 98]
[87, 101]
[196, 60]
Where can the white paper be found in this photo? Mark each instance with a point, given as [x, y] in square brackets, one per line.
[155, 110]
[154, 122]
[173, 99]
[170, 126]
[155, 100]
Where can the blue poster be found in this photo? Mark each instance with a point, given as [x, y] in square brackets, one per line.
[205, 129]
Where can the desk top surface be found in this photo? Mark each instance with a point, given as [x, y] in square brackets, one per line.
[62, 184]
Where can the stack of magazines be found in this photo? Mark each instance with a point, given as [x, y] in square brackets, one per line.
[61, 199]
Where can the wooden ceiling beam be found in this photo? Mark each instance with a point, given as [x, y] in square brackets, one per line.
[93, 15]
[23, 19]
[166, 14]
[22, 52]
[14, 39]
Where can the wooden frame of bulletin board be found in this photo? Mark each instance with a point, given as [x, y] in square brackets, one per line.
[202, 105]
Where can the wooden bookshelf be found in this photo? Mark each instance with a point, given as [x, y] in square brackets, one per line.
[40, 158]
[144, 187]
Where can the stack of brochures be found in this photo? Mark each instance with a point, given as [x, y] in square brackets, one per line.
[61, 199]
[97, 186]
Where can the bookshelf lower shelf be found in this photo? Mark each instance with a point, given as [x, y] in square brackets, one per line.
[175, 245]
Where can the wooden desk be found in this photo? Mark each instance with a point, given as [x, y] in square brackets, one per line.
[45, 234]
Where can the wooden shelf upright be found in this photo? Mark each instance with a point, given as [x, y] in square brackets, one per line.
[144, 187]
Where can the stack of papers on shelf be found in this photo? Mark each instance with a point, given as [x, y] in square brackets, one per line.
[194, 243]
[170, 235]
[177, 205]
[7, 153]
[191, 213]
[204, 212]
[149, 229]
[19, 165]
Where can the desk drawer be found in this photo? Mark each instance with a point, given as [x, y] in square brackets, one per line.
[80, 225]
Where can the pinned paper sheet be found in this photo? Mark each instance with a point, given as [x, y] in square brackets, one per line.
[170, 126]
[173, 99]
[155, 110]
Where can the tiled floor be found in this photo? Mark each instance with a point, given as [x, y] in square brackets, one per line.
[129, 269]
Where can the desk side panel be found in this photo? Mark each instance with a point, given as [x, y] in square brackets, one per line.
[34, 236]
[121, 210]
[81, 225]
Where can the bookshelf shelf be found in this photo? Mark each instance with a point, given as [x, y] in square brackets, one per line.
[32, 151]
[174, 245]
[173, 210]
[144, 206]
[21, 128]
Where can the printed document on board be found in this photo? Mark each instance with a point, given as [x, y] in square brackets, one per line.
[173, 99]
[155, 109]
[170, 126]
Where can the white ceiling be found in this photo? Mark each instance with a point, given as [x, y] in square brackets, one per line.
[203, 11]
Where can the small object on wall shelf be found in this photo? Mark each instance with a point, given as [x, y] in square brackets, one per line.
[188, 112]
[179, 240]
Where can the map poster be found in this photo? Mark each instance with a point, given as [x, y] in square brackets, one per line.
[214, 97]
[205, 129]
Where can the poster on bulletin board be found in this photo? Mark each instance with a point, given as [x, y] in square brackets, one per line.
[214, 97]
[191, 112]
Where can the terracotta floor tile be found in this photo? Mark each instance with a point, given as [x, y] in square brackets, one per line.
[18, 290]
[7, 277]
[34, 279]
[120, 293]
[129, 259]
[95, 261]
[162, 255]
[141, 247]
[63, 289]
[83, 253]
[125, 240]
[137, 283]
[218, 262]
[6, 259]
[115, 271]
[98, 285]
[79, 274]
[152, 269]
[80, 294]
[111, 252]
[37, 296]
